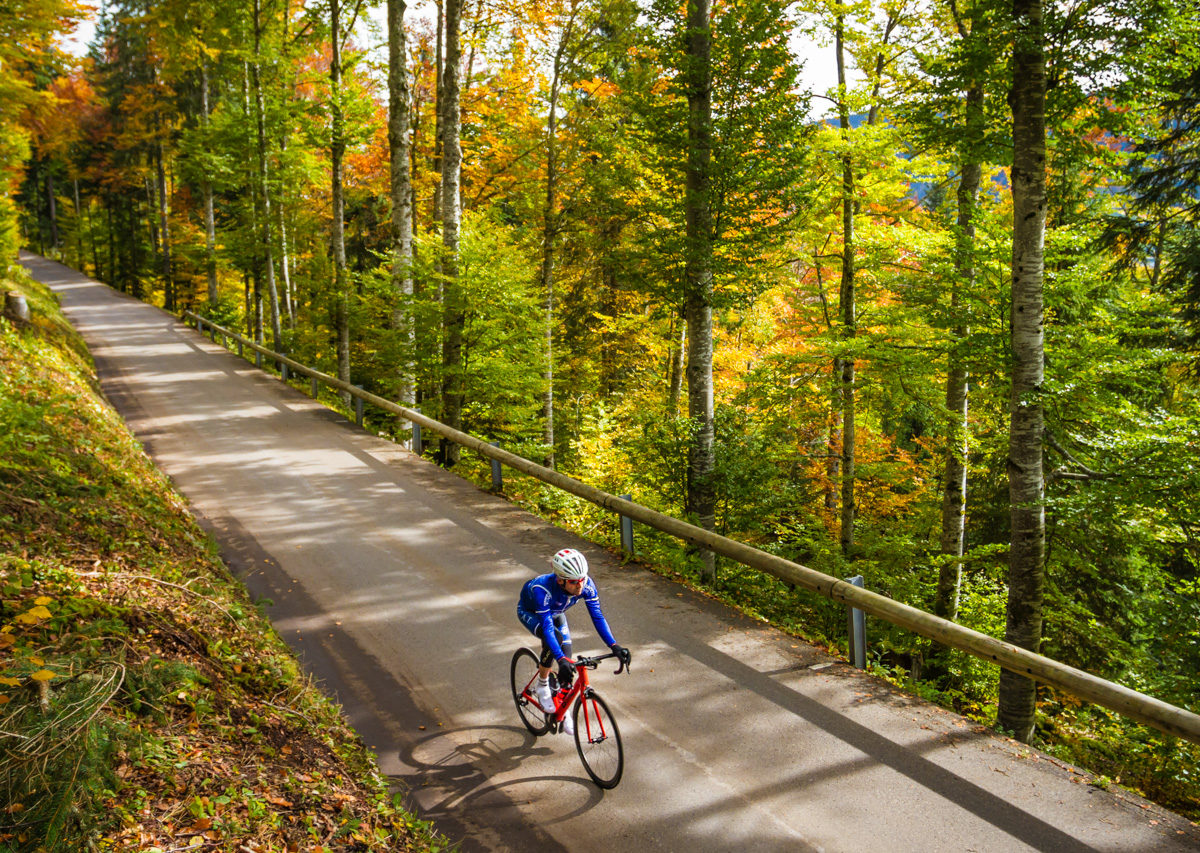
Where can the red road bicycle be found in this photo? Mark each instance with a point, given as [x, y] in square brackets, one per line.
[596, 734]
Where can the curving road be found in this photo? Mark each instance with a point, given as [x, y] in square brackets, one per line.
[396, 582]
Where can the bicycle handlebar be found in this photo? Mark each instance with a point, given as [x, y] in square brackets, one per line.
[593, 662]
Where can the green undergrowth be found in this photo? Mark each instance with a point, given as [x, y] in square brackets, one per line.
[145, 703]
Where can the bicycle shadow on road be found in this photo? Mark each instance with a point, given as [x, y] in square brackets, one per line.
[465, 769]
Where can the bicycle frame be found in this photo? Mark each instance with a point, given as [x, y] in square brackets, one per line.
[581, 688]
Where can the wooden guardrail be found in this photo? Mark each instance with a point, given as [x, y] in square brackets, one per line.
[1137, 706]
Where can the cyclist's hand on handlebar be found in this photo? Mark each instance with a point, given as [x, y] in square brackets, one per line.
[623, 654]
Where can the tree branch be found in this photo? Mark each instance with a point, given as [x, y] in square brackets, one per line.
[1084, 473]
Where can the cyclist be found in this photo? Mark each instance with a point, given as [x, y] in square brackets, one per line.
[541, 608]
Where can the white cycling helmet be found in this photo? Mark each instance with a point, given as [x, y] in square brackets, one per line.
[570, 565]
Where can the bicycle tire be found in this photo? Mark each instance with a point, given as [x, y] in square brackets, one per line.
[598, 741]
[522, 670]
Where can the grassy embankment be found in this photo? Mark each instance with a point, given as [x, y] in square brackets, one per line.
[145, 703]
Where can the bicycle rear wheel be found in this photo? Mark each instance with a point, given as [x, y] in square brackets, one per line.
[598, 740]
[522, 673]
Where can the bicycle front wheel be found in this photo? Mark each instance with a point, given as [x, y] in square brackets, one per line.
[599, 741]
[522, 673]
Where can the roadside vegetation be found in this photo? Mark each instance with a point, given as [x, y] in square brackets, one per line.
[145, 703]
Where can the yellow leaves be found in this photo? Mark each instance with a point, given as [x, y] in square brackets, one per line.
[35, 614]
[598, 88]
[42, 674]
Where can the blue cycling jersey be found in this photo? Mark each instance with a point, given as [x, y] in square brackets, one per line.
[542, 599]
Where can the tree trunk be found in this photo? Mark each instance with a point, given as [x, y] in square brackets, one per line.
[439, 108]
[260, 121]
[954, 490]
[78, 227]
[833, 461]
[698, 274]
[675, 366]
[428, 335]
[164, 228]
[337, 150]
[52, 207]
[210, 232]
[453, 309]
[36, 183]
[114, 274]
[1026, 486]
[399, 104]
[102, 275]
[847, 305]
[151, 214]
[550, 237]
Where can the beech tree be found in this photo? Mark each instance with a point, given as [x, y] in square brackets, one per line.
[698, 272]
[1026, 578]
[454, 309]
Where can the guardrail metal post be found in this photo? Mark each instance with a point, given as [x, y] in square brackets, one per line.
[258, 359]
[315, 390]
[497, 474]
[626, 529]
[358, 408]
[283, 373]
[241, 349]
[416, 436]
[856, 625]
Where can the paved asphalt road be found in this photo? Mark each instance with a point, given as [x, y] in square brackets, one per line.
[397, 582]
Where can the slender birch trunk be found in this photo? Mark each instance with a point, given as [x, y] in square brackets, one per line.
[847, 305]
[399, 104]
[164, 228]
[78, 226]
[337, 151]
[210, 231]
[52, 204]
[264, 191]
[675, 365]
[954, 489]
[550, 237]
